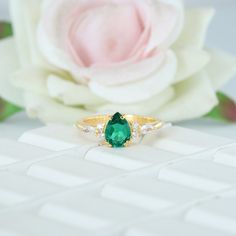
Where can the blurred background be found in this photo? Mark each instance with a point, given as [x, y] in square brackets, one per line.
[222, 34]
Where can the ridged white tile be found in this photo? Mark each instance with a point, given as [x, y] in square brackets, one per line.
[184, 141]
[149, 193]
[172, 227]
[71, 171]
[27, 224]
[131, 158]
[55, 137]
[219, 214]
[89, 212]
[12, 152]
[200, 174]
[226, 156]
[15, 189]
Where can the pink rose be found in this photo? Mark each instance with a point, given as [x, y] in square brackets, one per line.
[75, 57]
[105, 43]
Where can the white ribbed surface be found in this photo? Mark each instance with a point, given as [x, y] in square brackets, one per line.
[58, 188]
[52, 183]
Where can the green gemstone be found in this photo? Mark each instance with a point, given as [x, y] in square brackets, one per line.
[117, 131]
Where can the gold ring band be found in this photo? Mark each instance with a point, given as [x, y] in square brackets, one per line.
[119, 130]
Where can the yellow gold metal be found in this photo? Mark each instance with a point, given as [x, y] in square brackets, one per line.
[93, 121]
[105, 143]
[98, 125]
[128, 143]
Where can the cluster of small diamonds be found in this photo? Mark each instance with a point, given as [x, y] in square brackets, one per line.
[147, 128]
[89, 130]
[137, 131]
[140, 130]
[100, 131]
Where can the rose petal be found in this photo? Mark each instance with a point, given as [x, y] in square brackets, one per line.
[31, 79]
[146, 107]
[25, 15]
[70, 93]
[141, 90]
[196, 24]
[8, 64]
[52, 43]
[57, 57]
[116, 28]
[51, 39]
[124, 73]
[221, 68]
[167, 23]
[50, 111]
[190, 61]
[194, 98]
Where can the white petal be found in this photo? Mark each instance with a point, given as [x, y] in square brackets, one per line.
[50, 111]
[194, 98]
[70, 93]
[221, 68]
[141, 90]
[146, 108]
[8, 64]
[190, 61]
[57, 57]
[120, 74]
[31, 79]
[159, 21]
[52, 45]
[50, 40]
[25, 15]
[196, 24]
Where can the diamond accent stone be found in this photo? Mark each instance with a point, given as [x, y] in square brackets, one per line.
[145, 129]
[89, 129]
[100, 130]
[135, 132]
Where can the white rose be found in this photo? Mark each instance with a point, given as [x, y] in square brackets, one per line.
[70, 58]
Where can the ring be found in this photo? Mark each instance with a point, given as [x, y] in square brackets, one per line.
[119, 130]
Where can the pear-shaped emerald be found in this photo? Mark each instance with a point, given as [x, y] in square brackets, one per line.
[117, 131]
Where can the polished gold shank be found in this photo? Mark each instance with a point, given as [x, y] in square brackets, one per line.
[94, 121]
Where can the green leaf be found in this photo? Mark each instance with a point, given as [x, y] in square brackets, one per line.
[225, 110]
[5, 30]
[7, 109]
